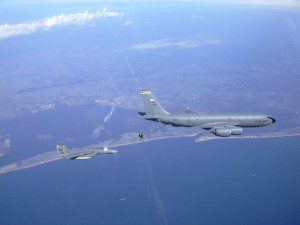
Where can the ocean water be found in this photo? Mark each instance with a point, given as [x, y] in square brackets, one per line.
[172, 181]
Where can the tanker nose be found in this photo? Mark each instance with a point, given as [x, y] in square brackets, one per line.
[271, 118]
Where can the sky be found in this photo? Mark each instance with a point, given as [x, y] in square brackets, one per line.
[77, 18]
[288, 3]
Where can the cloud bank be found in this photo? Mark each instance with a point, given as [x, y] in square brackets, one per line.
[165, 43]
[11, 30]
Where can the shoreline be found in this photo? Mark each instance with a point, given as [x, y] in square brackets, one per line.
[51, 156]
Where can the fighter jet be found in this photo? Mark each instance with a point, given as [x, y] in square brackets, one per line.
[223, 125]
[63, 151]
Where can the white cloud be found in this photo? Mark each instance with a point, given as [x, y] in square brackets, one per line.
[165, 43]
[10, 30]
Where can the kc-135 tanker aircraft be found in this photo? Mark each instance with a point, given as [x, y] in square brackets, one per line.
[222, 124]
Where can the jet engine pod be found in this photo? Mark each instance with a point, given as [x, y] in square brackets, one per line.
[236, 130]
[222, 132]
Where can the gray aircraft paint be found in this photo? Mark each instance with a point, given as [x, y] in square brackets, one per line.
[220, 124]
[63, 151]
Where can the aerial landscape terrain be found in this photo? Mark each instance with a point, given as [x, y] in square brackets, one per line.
[72, 71]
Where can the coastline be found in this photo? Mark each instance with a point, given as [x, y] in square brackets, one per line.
[51, 156]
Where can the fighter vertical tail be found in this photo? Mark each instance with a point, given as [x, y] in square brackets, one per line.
[152, 106]
[62, 149]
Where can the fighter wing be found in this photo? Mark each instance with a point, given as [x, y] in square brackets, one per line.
[89, 154]
[82, 155]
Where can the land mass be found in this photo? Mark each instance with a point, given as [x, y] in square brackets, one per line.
[131, 138]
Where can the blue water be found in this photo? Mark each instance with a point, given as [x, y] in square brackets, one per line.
[165, 182]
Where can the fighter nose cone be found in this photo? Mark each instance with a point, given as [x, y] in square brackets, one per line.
[271, 118]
